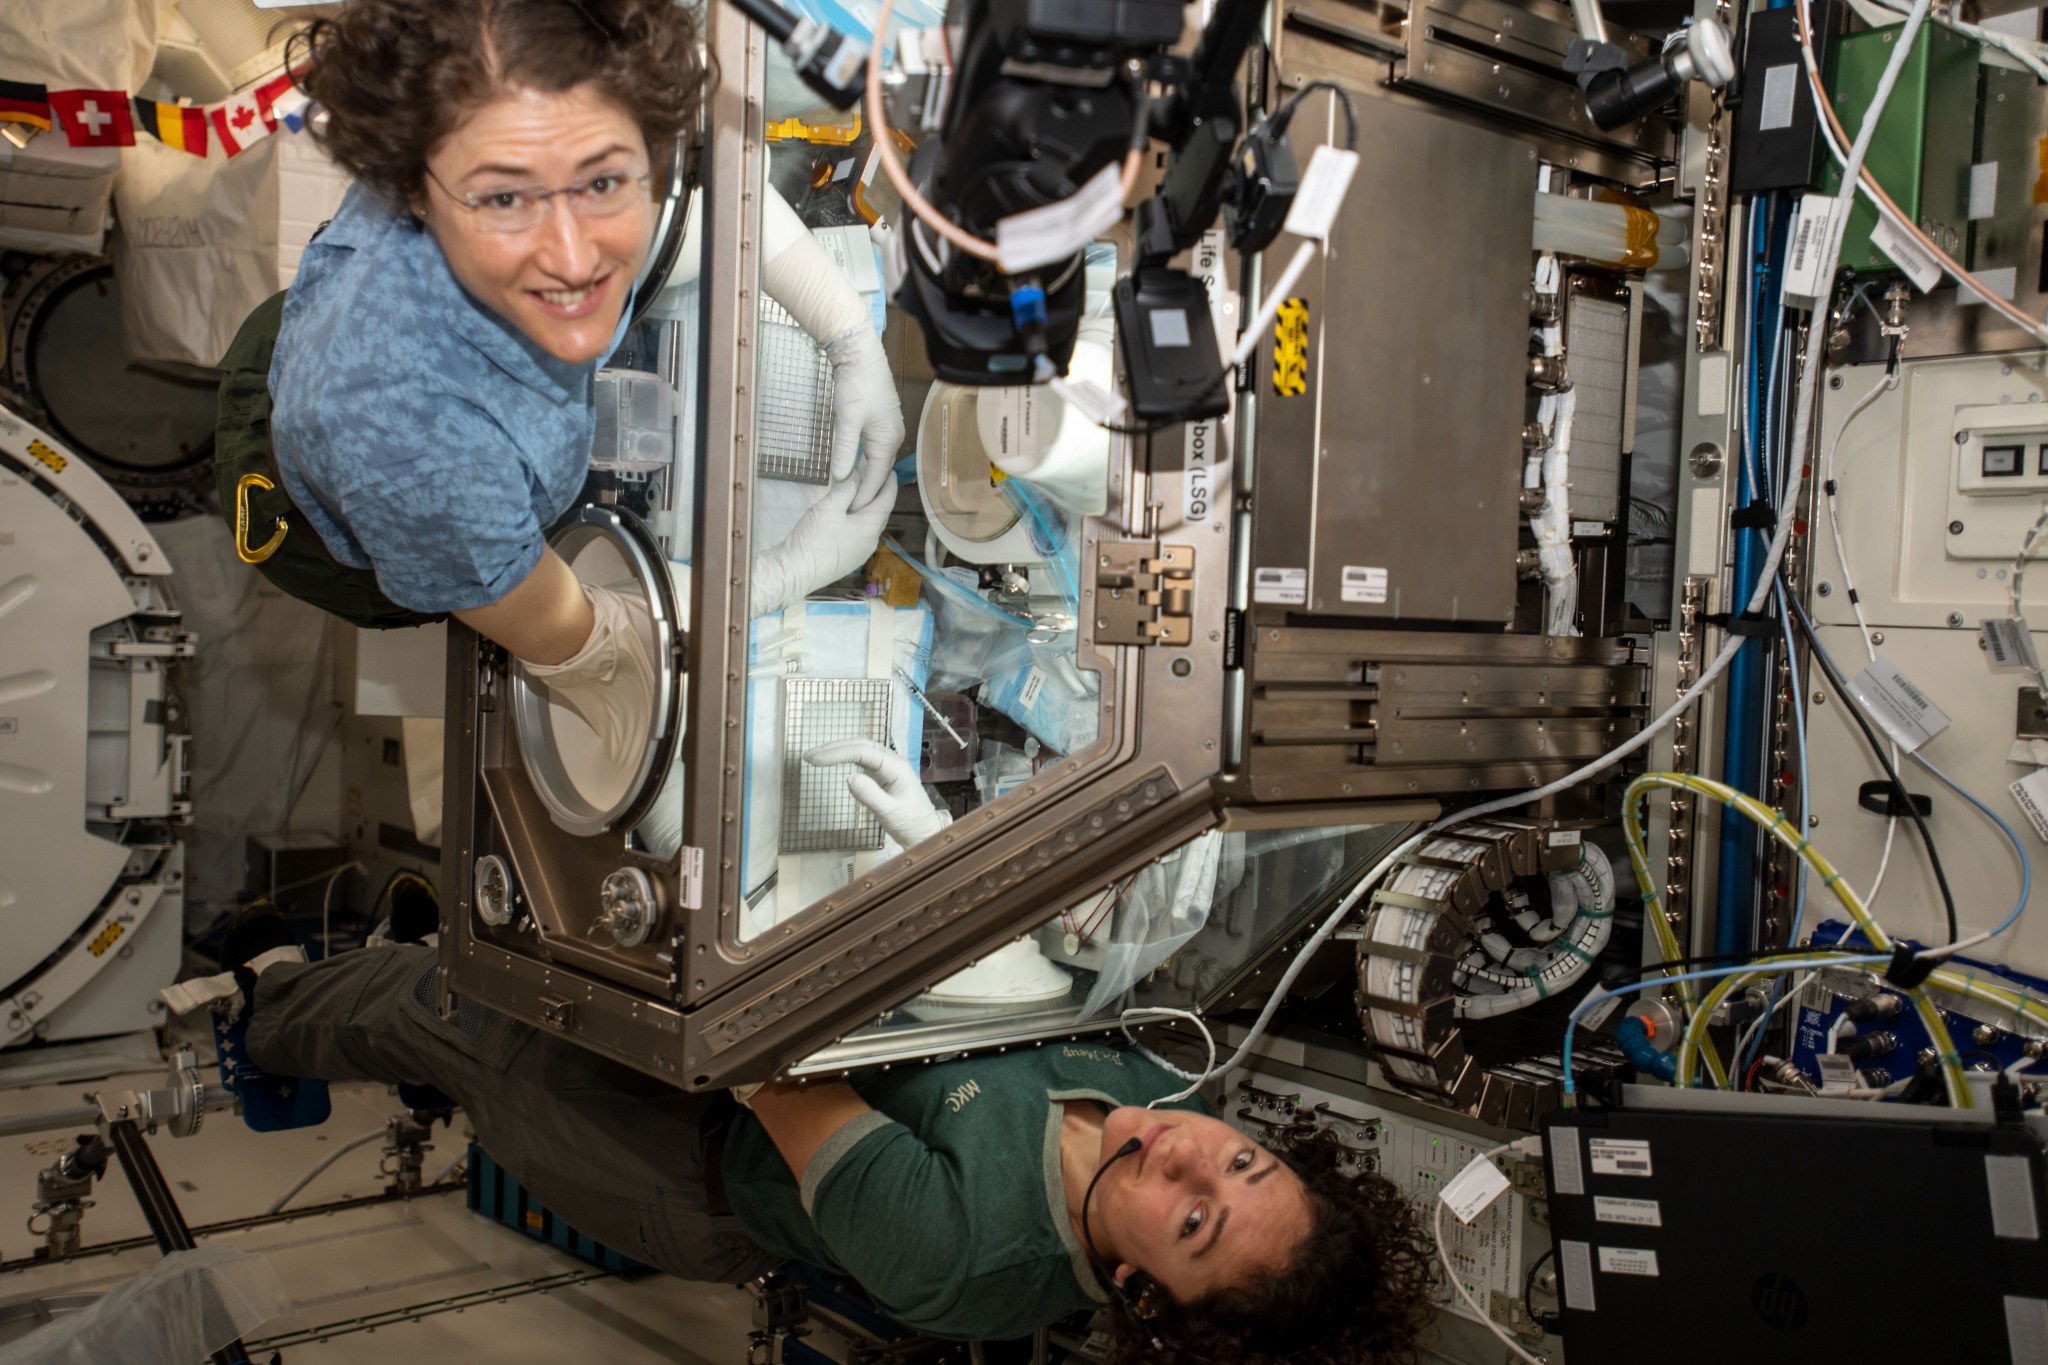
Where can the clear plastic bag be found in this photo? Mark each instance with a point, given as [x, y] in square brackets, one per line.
[183, 1308]
[1166, 904]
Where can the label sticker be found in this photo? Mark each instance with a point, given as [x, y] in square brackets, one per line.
[1321, 193]
[1615, 1156]
[1472, 1189]
[1567, 1173]
[2031, 792]
[1983, 190]
[1566, 838]
[1713, 386]
[1589, 528]
[1364, 583]
[2026, 1329]
[1900, 709]
[1286, 587]
[2002, 281]
[1575, 1259]
[1628, 1261]
[1781, 85]
[2010, 1180]
[1642, 1213]
[1034, 683]
[1601, 1012]
[1907, 254]
[1809, 237]
[2008, 646]
[1837, 1073]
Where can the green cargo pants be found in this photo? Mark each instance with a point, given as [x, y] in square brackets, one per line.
[273, 534]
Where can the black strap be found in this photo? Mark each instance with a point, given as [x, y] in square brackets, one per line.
[1908, 969]
[1753, 624]
[1757, 516]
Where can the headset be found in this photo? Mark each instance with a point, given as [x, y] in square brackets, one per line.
[1141, 1298]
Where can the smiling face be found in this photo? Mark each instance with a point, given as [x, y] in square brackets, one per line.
[565, 280]
[1198, 1207]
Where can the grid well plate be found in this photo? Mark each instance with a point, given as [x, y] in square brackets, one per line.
[793, 401]
[818, 813]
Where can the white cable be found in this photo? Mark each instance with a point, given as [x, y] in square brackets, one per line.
[1831, 487]
[310, 1176]
[327, 905]
[459, 1159]
[1275, 296]
[1194, 1080]
[1443, 1255]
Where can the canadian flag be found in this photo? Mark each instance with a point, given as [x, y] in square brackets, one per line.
[241, 120]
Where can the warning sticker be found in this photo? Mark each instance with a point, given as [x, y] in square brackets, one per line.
[1614, 1156]
[1627, 1261]
[1363, 583]
[1284, 587]
[1642, 1213]
[1290, 349]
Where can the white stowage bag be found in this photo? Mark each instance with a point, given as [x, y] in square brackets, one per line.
[185, 1307]
[53, 196]
[197, 247]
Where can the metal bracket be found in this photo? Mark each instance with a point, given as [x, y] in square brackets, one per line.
[1144, 593]
[2030, 720]
[180, 1105]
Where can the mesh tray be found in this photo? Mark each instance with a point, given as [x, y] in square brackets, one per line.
[793, 401]
[818, 812]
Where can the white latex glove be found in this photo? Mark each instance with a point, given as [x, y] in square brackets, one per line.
[888, 786]
[610, 681]
[867, 416]
[828, 542]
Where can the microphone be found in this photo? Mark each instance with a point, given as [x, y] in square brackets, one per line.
[1129, 1147]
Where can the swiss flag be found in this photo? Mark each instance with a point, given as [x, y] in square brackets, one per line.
[241, 120]
[94, 118]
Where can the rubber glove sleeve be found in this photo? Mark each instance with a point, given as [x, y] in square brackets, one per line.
[610, 681]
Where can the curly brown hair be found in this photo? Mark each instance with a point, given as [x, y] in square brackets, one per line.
[398, 76]
[1362, 1286]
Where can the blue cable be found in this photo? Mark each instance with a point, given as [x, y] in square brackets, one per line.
[2026, 868]
[1594, 997]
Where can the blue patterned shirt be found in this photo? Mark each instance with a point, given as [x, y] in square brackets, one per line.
[422, 435]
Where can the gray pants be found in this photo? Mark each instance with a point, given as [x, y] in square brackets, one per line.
[617, 1155]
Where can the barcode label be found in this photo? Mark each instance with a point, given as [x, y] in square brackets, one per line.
[1613, 1156]
[2008, 647]
[2031, 792]
[1286, 587]
[1802, 270]
[1900, 709]
[1364, 584]
[1906, 253]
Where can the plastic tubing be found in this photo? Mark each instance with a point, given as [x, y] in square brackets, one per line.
[1778, 828]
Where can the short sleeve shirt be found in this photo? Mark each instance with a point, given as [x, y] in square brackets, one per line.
[947, 1203]
[421, 435]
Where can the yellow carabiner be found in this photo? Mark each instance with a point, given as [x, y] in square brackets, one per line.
[269, 547]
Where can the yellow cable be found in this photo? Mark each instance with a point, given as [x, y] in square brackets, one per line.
[1774, 824]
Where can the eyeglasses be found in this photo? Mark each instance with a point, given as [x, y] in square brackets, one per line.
[521, 207]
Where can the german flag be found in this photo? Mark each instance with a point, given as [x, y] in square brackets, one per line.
[21, 102]
[174, 125]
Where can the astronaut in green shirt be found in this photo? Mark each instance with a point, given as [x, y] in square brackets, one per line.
[980, 1198]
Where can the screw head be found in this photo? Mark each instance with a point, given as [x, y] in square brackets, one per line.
[1955, 620]
[1834, 381]
[1877, 637]
[1181, 668]
[1955, 528]
[1824, 589]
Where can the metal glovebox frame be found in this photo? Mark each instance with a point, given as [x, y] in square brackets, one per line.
[1202, 718]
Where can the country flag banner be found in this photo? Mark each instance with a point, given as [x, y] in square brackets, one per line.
[22, 102]
[240, 121]
[94, 118]
[174, 125]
